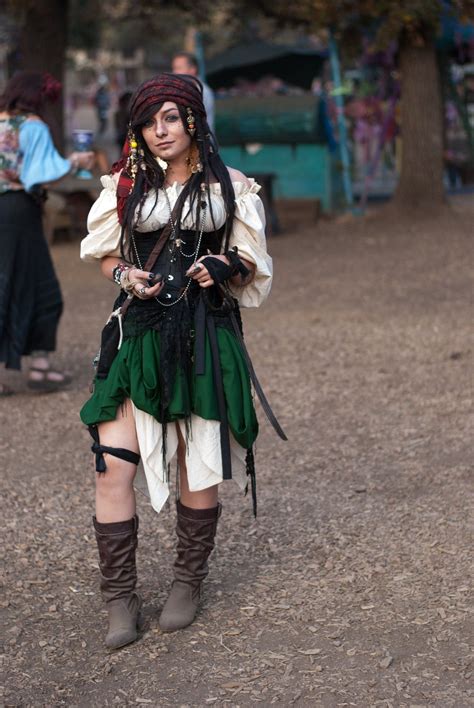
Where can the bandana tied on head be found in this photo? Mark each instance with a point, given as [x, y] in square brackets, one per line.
[178, 88]
[181, 89]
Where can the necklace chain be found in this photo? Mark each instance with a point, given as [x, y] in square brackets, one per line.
[173, 232]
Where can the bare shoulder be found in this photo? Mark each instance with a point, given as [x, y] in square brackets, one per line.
[238, 176]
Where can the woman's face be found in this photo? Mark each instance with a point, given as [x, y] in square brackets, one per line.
[165, 133]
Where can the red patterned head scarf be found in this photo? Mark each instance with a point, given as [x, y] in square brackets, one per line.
[181, 89]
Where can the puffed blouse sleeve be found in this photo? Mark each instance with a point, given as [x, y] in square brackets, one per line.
[103, 225]
[248, 234]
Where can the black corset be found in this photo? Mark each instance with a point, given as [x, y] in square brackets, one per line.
[175, 259]
[146, 240]
[172, 264]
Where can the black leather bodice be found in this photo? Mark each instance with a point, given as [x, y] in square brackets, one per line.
[172, 263]
[175, 258]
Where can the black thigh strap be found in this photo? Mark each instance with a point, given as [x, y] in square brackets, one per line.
[120, 452]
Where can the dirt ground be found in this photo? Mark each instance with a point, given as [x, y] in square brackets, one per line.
[352, 587]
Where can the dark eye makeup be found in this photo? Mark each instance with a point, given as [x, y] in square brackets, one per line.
[170, 118]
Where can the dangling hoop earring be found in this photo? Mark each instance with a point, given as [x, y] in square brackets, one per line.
[193, 160]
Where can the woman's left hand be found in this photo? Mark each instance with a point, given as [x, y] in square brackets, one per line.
[200, 273]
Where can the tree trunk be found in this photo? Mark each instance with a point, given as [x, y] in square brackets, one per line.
[42, 45]
[421, 177]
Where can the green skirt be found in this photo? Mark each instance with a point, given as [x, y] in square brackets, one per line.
[134, 374]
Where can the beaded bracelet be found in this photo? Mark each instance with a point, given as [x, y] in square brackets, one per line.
[117, 273]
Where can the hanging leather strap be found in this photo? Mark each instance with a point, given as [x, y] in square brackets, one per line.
[203, 314]
[159, 245]
[253, 376]
[221, 402]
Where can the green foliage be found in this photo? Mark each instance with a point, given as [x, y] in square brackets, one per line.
[413, 21]
[159, 26]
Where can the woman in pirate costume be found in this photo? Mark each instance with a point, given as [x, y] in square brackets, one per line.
[182, 236]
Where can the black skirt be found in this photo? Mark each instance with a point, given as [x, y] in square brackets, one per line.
[30, 296]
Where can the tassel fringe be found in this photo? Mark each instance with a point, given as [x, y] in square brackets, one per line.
[250, 465]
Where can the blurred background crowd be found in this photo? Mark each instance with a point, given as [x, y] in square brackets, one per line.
[310, 98]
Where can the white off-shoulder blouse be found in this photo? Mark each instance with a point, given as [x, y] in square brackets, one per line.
[248, 230]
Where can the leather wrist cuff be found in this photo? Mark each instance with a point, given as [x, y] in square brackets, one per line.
[218, 270]
[236, 263]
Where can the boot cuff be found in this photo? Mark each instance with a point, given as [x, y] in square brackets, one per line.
[117, 527]
[199, 514]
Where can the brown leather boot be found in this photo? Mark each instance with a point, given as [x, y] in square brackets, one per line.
[196, 530]
[117, 543]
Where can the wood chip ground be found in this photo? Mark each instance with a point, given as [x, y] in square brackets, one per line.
[352, 588]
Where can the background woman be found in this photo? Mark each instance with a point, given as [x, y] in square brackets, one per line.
[30, 297]
[179, 384]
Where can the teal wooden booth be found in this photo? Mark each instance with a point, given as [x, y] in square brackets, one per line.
[282, 136]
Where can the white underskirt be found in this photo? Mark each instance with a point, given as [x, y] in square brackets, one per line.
[203, 454]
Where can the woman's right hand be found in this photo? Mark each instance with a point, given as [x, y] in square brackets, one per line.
[139, 286]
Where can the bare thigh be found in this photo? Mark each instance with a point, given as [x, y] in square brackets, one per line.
[115, 497]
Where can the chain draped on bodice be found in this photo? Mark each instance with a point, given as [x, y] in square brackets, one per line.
[172, 264]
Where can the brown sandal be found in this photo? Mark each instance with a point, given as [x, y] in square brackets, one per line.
[45, 383]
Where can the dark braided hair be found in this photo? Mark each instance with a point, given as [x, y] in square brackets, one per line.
[185, 91]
